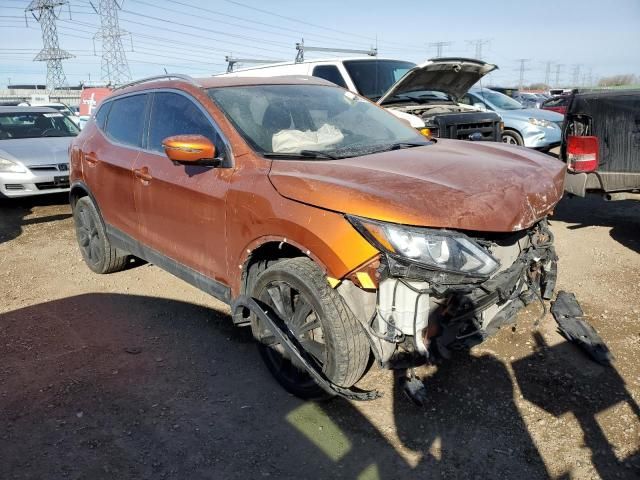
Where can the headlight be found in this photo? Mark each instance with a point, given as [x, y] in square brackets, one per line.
[9, 166]
[539, 122]
[439, 249]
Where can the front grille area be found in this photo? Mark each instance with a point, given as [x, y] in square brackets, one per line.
[54, 167]
[51, 185]
[464, 130]
[13, 186]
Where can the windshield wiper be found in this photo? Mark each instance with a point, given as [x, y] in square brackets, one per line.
[303, 154]
[401, 145]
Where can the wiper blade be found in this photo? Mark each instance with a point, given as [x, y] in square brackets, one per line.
[401, 145]
[303, 154]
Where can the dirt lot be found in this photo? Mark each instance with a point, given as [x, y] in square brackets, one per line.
[139, 375]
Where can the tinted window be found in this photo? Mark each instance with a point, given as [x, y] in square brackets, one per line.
[174, 114]
[126, 120]
[374, 77]
[101, 115]
[330, 73]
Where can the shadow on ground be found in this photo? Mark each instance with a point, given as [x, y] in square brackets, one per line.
[14, 210]
[623, 217]
[123, 386]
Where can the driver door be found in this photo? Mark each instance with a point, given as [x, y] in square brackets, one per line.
[181, 208]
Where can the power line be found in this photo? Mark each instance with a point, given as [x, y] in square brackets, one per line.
[44, 13]
[576, 74]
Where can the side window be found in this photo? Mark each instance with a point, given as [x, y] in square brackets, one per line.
[174, 114]
[330, 73]
[101, 115]
[126, 120]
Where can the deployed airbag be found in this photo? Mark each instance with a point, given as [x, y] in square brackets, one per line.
[293, 141]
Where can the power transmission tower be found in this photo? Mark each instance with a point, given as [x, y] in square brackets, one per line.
[44, 11]
[439, 47]
[547, 74]
[558, 68]
[479, 43]
[115, 68]
[523, 63]
[576, 74]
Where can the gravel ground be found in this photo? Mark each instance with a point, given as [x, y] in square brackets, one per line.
[139, 375]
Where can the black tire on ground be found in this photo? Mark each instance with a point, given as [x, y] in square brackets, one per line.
[95, 247]
[512, 138]
[298, 291]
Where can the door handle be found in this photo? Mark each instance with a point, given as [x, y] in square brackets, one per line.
[143, 174]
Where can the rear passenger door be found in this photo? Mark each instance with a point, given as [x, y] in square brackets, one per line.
[108, 168]
[182, 208]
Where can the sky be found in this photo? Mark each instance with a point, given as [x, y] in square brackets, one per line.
[589, 39]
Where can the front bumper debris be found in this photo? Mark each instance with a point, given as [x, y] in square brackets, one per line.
[288, 341]
[462, 311]
[574, 328]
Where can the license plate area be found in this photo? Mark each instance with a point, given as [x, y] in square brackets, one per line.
[61, 181]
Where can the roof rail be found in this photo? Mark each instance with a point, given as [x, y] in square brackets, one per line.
[301, 47]
[167, 76]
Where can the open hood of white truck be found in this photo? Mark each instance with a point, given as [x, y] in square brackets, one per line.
[453, 76]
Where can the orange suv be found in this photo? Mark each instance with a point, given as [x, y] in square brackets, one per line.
[333, 229]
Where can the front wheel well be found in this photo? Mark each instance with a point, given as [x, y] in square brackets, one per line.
[76, 193]
[258, 261]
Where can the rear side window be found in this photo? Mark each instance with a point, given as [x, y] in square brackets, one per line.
[174, 114]
[126, 120]
[101, 115]
[330, 73]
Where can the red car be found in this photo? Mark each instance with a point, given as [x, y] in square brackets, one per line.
[557, 104]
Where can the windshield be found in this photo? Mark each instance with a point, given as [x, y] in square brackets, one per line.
[312, 121]
[499, 101]
[36, 124]
[374, 77]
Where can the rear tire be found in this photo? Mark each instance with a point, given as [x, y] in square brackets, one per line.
[298, 291]
[511, 137]
[97, 252]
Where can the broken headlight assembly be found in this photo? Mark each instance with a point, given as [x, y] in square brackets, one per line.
[434, 249]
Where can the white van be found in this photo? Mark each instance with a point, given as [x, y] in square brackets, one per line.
[425, 95]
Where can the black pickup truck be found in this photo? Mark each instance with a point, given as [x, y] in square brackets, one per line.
[601, 144]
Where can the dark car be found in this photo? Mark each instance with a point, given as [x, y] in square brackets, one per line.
[601, 143]
[557, 104]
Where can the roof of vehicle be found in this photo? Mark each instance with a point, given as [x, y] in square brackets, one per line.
[216, 82]
[28, 110]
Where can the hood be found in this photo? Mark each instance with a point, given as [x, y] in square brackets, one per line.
[449, 184]
[453, 76]
[538, 113]
[36, 151]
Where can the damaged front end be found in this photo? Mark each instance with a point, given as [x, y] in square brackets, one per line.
[417, 307]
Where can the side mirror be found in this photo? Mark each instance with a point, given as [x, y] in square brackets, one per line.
[191, 150]
[480, 106]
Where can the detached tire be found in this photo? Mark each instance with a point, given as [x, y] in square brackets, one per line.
[95, 247]
[512, 137]
[323, 325]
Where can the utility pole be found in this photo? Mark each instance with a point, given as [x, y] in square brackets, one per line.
[439, 47]
[479, 43]
[115, 68]
[547, 74]
[523, 63]
[44, 13]
[558, 68]
[576, 74]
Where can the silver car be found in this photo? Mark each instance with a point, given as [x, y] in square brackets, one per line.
[34, 157]
[531, 127]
